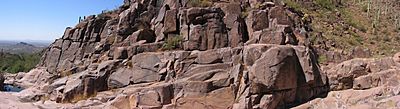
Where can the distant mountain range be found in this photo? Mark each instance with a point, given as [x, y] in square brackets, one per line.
[17, 47]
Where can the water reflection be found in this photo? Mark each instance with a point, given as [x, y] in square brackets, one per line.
[11, 88]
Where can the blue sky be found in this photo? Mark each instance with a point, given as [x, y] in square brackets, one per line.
[45, 19]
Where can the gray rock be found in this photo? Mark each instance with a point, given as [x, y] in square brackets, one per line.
[142, 75]
[120, 78]
[209, 57]
[146, 61]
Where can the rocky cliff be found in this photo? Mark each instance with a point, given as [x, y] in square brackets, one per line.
[179, 54]
[185, 54]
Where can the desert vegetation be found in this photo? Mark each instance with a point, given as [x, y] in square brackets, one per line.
[172, 43]
[14, 63]
[346, 24]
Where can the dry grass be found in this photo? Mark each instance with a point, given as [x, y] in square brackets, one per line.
[348, 26]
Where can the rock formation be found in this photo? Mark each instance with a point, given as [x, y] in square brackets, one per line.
[362, 83]
[231, 54]
[172, 54]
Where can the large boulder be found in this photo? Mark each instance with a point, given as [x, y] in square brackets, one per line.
[73, 88]
[282, 76]
[35, 77]
[146, 61]
[277, 69]
[83, 84]
[120, 78]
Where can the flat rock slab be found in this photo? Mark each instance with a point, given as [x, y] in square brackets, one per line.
[9, 101]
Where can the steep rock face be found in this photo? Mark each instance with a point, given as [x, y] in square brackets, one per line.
[231, 54]
[143, 26]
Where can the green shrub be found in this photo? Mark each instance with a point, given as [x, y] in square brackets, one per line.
[245, 12]
[257, 5]
[293, 5]
[173, 43]
[322, 59]
[364, 8]
[14, 63]
[348, 18]
[105, 14]
[327, 4]
[356, 24]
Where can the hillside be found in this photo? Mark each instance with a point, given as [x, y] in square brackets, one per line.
[219, 54]
[17, 47]
[14, 63]
[19, 56]
[352, 28]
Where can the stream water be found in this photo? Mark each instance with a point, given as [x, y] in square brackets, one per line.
[11, 88]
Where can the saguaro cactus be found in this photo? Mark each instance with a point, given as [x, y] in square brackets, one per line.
[368, 7]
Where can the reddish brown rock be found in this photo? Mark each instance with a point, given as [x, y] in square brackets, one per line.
[275, 67]
[396, 57]
[120, 53]
[225, 59]
[170, 22]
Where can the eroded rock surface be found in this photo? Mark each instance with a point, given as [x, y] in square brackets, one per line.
[362, 83]
[167, 54]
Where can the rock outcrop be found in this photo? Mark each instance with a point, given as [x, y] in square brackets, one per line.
[362, 73]
[205, 54]
[362, 83]
[227, 55]
[144, 26]
[217, 78]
